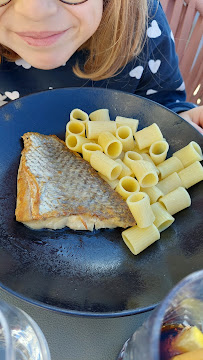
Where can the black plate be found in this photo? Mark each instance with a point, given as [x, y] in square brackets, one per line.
[84, 273]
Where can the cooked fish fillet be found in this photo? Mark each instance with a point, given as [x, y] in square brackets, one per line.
[57, 188]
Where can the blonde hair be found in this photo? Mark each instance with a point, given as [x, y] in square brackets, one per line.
[119, 37]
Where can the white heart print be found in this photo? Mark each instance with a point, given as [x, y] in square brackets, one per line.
[154, 65]
[2, 97]
[151, 91]
[12, 95]
[181, 87]
[153, 31]
[23, 63]
[137, 72]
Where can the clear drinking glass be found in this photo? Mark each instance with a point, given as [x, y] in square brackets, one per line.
[20, 336]
[183, 305]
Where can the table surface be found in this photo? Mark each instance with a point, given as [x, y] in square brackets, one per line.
[80, 338]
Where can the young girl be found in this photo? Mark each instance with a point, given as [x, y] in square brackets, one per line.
[117, 44]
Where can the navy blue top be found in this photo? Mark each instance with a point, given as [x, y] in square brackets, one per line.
[154, 74]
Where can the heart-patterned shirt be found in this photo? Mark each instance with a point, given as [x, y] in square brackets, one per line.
[154, 74]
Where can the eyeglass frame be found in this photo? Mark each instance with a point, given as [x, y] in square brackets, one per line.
[63, 1]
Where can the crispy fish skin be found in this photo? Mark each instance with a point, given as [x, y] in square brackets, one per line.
[56, 183]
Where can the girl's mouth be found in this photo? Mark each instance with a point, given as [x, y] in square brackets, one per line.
[44, 38]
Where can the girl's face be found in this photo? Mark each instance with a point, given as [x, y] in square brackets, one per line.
[46, 33]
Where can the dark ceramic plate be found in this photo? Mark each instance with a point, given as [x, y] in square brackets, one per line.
[84, 273]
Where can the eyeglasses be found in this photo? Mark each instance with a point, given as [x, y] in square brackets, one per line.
[69, 2]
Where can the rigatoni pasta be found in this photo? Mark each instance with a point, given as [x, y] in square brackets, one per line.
[138, 239]
[95, 128]
[191, 175]
[169, 166]
[170, 183]
[77, 114]
[88, 149]
[125, 136]
[106, 166]
[158, 151]
[100, 115]
[176, 200]
[145, 137]
[123, 121]
[145, 173]
[162, 217]
[110, 144]
[154, 187]
[74, 142]
[139, 206]
[127, 185]
[189, 154]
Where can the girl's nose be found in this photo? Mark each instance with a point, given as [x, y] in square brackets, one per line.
[36, 10]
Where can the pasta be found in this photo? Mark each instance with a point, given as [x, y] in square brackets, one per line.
[138, 239]
[162, 217]
[95, 128]
[170, 183]
[153, 192]
[139, 206]
[191, 175]
[74, 142]
[126, 171]
[130, 157]
[126, 186]
[77, 114]
[145, 137]
[145, 173]
[110, 144]
[189, 154]
[154, 187]
[100, 115]
[176, 200]
[75, 127]
[125, 136]
[158, 151]
[106, 166]
[123, 121]
[169, 166]
[88, 149]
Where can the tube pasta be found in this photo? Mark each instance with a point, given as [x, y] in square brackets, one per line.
[138, 239]
[170, 183]
[77, 114]
[75, 127]
[95, 128]
[176, 200]
[106, 166]
[153, 192]
[162, 217]
[100, 115]
[189, 154]
[148, 158]
[74, 142]
[169, 166]
[145, 173]
[112, 183]
[130, 157]
[158, 151]
[88, 149]
[139, 206]
[125, 136]
[191, 175]
[110, 144]
[145, 137]
[123, 121]
[126, 171]
[126, 186]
